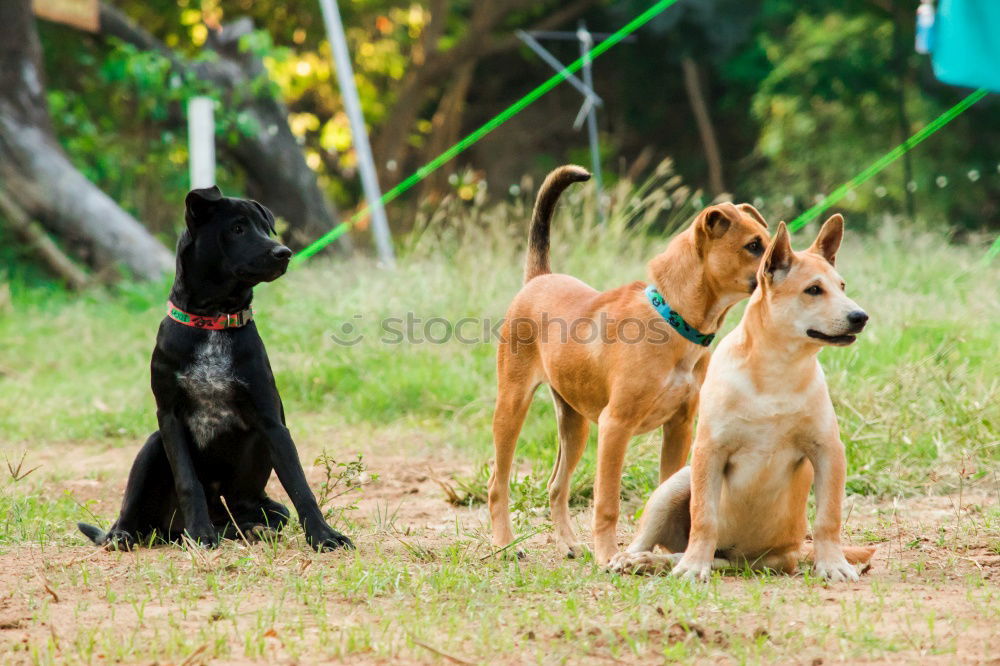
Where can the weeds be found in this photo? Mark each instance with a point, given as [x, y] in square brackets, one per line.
[15, 471]
[341, 478]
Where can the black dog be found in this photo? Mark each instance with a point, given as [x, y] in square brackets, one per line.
[222, 425]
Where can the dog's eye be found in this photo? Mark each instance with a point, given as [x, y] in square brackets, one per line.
[814, 290]
[754, 247]
[237, 228]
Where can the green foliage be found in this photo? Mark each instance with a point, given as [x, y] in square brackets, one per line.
[834, 90]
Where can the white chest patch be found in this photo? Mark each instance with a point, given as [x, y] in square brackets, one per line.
[210, 383]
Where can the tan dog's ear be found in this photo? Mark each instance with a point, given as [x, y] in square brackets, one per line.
[828, 241]
[778, 257]
[714, 222]
[753, 212]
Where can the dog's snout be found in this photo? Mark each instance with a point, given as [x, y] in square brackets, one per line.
[858, 319]
[282, 252]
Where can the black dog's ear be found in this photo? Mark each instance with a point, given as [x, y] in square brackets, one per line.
[267, 215]
[199, 203]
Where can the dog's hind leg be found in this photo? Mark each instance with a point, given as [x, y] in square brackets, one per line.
[275, 514]
[666, 522]
[513, 400]
[573, 431]
[267, 518]
[256, 520]
[666, 519]
[148, 504]
[256, 514]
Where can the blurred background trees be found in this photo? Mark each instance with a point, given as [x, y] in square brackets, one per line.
[776, 101]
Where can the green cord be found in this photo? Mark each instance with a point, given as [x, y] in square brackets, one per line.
[887, 159]
[485, 129]
[575, 66]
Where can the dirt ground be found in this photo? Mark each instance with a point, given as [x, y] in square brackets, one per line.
[933, 585]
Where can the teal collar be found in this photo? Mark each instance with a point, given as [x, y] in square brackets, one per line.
[674, 319]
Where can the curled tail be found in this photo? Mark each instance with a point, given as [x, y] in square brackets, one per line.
[95, 534]
[537, 261]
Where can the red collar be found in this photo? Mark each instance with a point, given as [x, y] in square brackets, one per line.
[219, 323]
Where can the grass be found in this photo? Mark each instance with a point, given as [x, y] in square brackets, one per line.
[918, 399]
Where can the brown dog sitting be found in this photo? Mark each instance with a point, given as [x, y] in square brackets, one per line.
[631, 359]
[766, 433]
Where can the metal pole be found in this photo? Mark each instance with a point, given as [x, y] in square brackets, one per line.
[586, 42]
[359, 133]
[201, 142]
[551, 60]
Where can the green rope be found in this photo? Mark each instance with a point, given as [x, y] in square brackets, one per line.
[888, 159]
[499, 119]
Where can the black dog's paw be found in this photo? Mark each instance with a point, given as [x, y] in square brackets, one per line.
[206, 538]
[328, 539]
[255, 532]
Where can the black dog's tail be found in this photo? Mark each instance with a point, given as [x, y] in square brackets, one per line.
[95, 534]
[537, 261]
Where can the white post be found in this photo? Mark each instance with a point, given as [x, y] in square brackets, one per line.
[359, 133]
[201, 141]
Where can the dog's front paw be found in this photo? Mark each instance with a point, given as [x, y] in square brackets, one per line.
[327, 539]
[836, 571]
[691, 569]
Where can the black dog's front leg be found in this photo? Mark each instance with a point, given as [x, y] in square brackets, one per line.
[285, 459]
[190, 492]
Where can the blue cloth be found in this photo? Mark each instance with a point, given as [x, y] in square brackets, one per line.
[967, 43]
[677, 321]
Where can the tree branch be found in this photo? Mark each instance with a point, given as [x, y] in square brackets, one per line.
[34, 235]
[114, 23]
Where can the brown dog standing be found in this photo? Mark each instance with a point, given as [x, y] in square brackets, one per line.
[766, 426]
[611, 358]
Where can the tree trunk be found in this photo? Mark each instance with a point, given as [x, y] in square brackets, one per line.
[38, 178]
[33, 235]
[277, 173]
[446, 126]
[692, 83]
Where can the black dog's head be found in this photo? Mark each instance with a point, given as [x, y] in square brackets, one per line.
[231, 238]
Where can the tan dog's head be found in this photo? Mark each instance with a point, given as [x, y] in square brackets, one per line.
[730, 240]
[804, 293]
